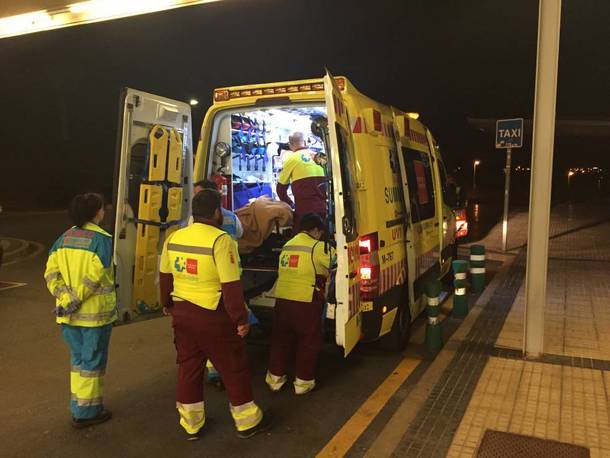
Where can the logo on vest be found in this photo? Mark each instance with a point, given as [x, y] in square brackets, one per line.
[179, 264]
[191, 266]
[289, 260]
[293, 261]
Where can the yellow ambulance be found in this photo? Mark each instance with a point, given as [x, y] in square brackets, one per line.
[388, 206]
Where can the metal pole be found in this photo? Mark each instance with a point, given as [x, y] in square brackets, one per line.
[506, 198]
[474, 175]
[549, 23]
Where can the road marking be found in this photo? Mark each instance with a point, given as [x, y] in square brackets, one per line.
[4, 285]
[345, 438]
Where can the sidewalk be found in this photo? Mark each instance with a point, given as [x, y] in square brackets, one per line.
[485, 383]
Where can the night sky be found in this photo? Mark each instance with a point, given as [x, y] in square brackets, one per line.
[445, 59]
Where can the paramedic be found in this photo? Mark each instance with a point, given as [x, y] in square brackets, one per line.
[80, 275]
[297, 317]
[201, 288]
[232, 226]
[230, 222]
[306, 178]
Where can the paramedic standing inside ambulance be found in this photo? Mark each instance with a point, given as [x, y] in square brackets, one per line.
[297, 317]
[306, 178]
[201, 288]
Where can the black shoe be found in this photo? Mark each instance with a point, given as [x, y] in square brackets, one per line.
[102, 417]
[264, 425]
[197, 435]
[194, 436]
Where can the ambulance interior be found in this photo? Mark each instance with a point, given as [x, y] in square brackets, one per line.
[249, 147]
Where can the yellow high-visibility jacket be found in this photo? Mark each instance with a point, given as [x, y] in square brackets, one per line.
[200, 257]
[301, 261]
[80, 273]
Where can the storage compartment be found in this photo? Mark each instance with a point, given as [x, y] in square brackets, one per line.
[248, 149]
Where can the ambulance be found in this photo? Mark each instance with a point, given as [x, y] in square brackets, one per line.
[389, 212]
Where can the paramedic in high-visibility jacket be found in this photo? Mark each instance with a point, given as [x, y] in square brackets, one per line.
[304, 267]
[202, 290]
[306, 179]
[80, 275]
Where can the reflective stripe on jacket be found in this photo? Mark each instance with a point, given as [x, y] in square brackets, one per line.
[200, 257]
[301, 261]
[80, 274]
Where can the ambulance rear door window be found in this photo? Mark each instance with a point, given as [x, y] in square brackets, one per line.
[421, 186]
[348, 176]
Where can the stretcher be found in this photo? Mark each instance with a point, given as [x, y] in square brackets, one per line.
[159, 213]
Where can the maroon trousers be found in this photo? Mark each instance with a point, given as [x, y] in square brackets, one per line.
[199, 335]
[297, 332]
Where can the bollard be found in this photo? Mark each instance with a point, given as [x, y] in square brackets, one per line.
[477, 268]
[434, 334]
[460, 300]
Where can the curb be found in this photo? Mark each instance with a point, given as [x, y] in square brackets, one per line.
[390, 436]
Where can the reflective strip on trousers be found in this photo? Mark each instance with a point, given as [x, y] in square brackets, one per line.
[275, 382]
[91, 374]
[93, 316]
[87, 374]
[477, 270]
[302, 248]
[433, 301]
[477, 257]
[460, 291]
[81, 402]
[192, 416]
[303, 386]
[460, 276]
[246, 416]
[190, 249]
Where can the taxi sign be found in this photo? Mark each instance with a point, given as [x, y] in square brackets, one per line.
[509, 133]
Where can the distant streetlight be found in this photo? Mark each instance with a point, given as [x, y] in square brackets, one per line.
[570, 175]
[194, 102]
[474, 174]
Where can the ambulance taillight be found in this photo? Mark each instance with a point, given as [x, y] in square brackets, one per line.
[369, 267]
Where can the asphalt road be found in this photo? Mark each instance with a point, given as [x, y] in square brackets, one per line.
[140, 381]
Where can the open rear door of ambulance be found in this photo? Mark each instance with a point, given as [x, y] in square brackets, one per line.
[401, 128]
[152, 192]
[347, 283]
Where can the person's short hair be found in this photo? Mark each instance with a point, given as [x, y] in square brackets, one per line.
[205, 203]
[84, 207]
[312, 221]
[206, 184]
[297, 138]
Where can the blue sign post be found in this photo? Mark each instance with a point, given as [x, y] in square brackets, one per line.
[509, 135]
